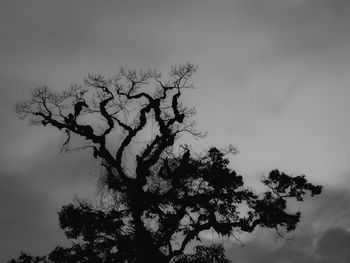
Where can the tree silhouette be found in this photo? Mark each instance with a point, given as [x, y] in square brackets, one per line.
[158, 199]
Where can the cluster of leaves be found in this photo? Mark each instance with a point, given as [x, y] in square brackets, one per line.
[204, 254]
[162, 201]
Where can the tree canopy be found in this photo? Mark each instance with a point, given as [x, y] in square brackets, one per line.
[160, 195]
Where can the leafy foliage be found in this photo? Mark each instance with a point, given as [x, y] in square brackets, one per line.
[204, 254]
[163, 200]
[27, 258]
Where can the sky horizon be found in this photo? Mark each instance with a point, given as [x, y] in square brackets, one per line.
[273, 81]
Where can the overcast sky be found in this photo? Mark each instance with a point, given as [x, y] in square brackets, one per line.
[273, 81]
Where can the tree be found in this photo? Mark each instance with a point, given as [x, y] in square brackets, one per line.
[161, 201]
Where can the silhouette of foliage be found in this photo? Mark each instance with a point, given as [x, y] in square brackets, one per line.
[160, 202]
[26, 258]
[204, 254]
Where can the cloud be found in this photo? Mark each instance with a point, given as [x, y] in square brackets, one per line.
[33, 188]
[308, 26]
[28, 220]
[334, 245]
[31, 196]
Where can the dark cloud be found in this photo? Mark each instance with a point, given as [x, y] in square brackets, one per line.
[334, 245]
[33, 188]
[27, 218]
[30, 200]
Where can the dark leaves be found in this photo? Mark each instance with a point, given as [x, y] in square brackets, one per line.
[82, 221]
[204, 254]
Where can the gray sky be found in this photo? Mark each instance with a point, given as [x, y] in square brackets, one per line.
[273, 81]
